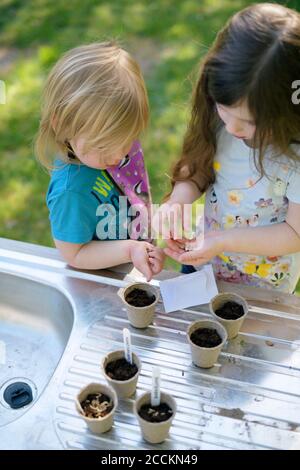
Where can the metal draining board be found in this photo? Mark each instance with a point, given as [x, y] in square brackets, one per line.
[249, 400]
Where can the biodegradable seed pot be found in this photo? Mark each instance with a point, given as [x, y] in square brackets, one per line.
[96, 404]
[155, 422]
[230, 310]
[120, 374]
[140, 300]
[206, 339]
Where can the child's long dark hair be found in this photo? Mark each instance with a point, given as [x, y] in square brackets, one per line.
[256, 58]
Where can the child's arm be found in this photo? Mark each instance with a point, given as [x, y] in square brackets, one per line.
[271, 240]
[184, 192]
[104, 254]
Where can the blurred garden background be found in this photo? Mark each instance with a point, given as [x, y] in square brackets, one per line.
[168, 37]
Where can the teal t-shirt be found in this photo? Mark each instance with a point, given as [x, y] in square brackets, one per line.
[84, 205]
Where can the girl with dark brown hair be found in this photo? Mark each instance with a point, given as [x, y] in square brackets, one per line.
[242, 150]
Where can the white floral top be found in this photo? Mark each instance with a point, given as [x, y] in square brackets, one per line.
[239, 198]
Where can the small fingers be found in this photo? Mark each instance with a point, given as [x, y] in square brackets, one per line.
[155, 266]
[172, 254]
[176, 245]
[192, 258]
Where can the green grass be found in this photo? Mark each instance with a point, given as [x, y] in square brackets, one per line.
[168, 37]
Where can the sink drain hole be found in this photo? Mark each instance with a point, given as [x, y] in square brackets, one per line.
[18, 394]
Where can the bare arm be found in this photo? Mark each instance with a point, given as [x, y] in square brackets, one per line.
[95, 254]
[163, 222]
[271, 240]
[104, 254]
[184, 192]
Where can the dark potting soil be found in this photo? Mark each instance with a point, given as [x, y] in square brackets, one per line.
[155, 414]
[139, 298]
[206, 337]
[230, 311]
[96, 405]
[121, 369]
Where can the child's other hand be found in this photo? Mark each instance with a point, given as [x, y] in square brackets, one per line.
[156, 259]
[177, 246]
[139, 255]
[212, 246]
[147, 258]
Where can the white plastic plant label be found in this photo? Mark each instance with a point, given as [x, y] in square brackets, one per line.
[155, 392]
[127, 345]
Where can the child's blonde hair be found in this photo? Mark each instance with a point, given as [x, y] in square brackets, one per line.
[98, 91]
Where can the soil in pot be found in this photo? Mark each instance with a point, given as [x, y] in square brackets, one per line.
[120, 369]
[206, 337]
[230, 311]
[140, 298]
[155, 414]
[96, 405]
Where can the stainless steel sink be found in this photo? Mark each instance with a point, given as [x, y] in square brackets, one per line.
[58, 323]
[35, 325]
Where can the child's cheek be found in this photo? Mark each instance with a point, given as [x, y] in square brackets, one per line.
[93, 160]
[251, 131]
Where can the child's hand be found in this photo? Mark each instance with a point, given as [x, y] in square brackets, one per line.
[177, 246]
[211, 246]
[156, 259]
[139, 255]
[170, 221]
[147, 258]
